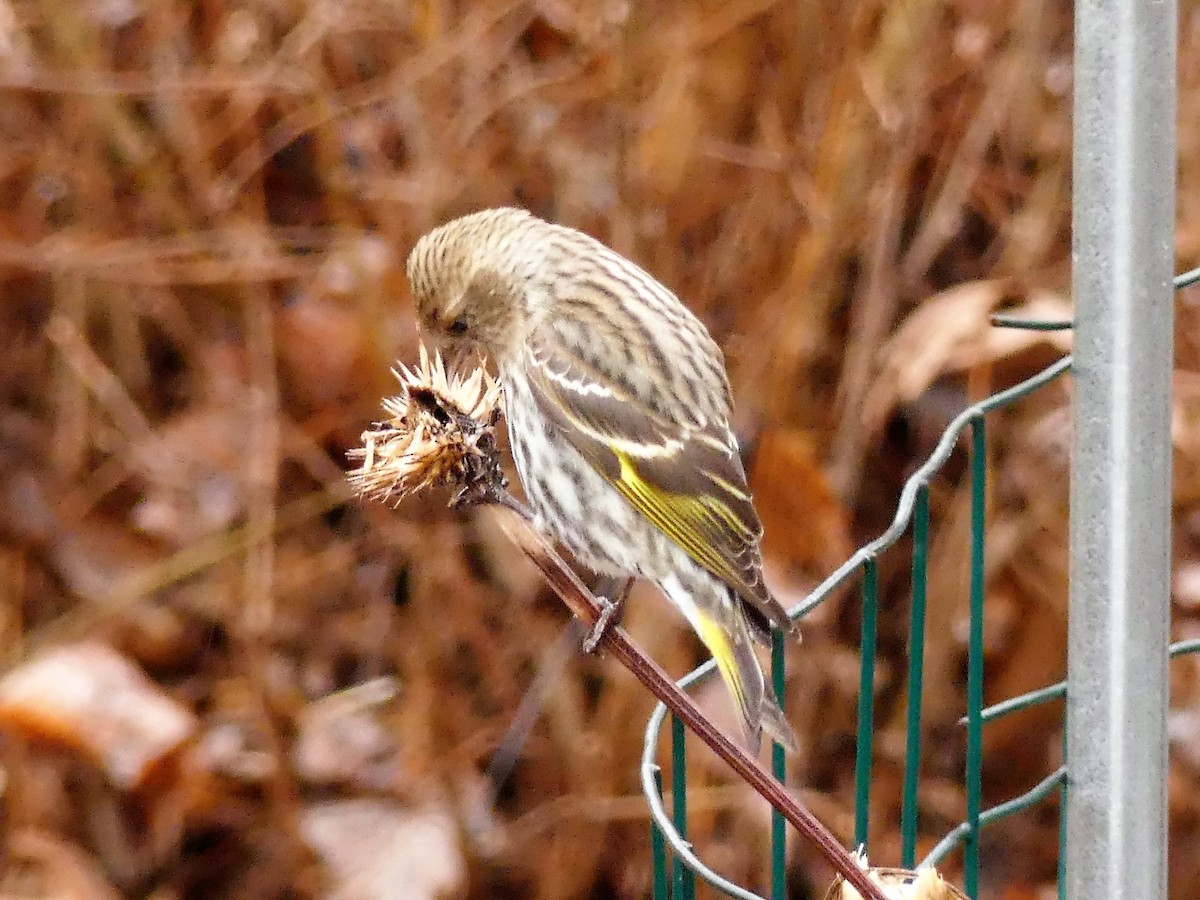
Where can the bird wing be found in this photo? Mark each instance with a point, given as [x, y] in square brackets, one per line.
[676, 461]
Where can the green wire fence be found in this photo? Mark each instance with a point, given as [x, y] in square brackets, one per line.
[670, 848]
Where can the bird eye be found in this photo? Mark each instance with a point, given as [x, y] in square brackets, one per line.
[457, 328]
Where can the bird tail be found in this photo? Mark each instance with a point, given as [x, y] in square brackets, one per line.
[728, 639]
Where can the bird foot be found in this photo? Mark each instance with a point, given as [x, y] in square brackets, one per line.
[489, 493]
[610, 615]
[474, 494]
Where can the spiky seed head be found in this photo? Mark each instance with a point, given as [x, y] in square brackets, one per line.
[902, 884]
[438, 431]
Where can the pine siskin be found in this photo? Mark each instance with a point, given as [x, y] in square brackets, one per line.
[618, 409]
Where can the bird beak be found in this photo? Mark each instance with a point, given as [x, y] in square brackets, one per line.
[459, 355]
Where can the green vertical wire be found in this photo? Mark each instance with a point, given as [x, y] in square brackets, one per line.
[685, 882]
[866, 702]
[1062, 822]
[779, 769]
[658, 851]
[916, 666]
[975, 657]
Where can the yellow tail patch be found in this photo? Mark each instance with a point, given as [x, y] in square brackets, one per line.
[721, 647]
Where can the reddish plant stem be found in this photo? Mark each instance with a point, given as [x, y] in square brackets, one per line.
[587, 609]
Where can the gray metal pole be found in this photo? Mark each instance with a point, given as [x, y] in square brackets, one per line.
[1124, 203]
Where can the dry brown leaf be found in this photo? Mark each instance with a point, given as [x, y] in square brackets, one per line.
[376, 850]
[195, 473]
[342, 738]
[1185, 435]
[40, 866]
[91, 699]
[327, 344]
[951, 333]
[1185, 585]
[806, 529]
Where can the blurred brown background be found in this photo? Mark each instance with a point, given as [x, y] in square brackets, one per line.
[206, 210]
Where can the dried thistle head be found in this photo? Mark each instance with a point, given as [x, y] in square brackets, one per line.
[897, 884]
[440, 430]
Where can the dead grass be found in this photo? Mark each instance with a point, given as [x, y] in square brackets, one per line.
[206, 208]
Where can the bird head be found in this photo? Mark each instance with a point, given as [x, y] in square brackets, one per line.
[471, 281]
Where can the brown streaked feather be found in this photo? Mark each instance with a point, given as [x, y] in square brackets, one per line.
[681, 471]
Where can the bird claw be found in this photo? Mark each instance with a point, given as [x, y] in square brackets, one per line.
[473, 494]
[489, 493]
[610, 614]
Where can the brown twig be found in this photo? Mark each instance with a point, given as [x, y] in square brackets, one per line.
[588, 609]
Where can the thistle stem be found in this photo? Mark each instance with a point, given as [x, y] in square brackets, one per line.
[588, 609]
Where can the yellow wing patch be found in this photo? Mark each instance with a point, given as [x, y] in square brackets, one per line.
[681, 473]
[684, 519]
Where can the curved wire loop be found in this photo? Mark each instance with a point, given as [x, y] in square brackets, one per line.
[841, 576]
[651, 785]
